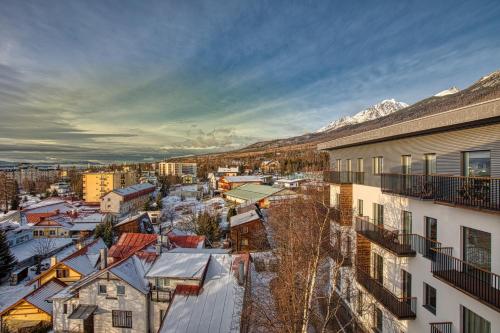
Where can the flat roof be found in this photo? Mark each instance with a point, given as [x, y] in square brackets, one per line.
[252, 192]
[476, 114]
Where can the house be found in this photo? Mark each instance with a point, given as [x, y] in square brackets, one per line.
[186, 241]
[270, 166]
[218, 305]
[35, 307]
[232, 182]
[130, 243]
[418, 211]
[127, 200]
[228, 171]
[248, 232]
[288, 183]
[61, 188]
[97, 184]
[136, 223]
[263, 195]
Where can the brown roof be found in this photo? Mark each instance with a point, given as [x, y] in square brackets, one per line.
[129, 243]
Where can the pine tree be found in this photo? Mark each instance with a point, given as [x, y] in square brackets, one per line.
[208, 226]
[7, 260]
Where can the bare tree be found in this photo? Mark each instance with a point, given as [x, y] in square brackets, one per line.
[300, 293]
[42, 248]
[169, 214]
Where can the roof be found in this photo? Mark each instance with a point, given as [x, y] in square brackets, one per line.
[217, 308]
[180, 265]
[243, 218]
[133, 191]
[25, 250]
[37, 217]
[133, 271]
[186, 241]
[228, 169]
[479, 113]
[84, 226]
[252, 192]
[83, 311]
[243, 179]
[39, 297]
[129, 243]
[132, 218]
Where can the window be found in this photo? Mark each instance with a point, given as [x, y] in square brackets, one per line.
[476, 163]
[35, 233]
[103, 289]
[244, 241]
[360, 165]
[377, 165]
[337, 200]
[120, 290]
[406, 223]
[40, 233]
[378, 214]
[406, 164]
[339, 165]
[62, 273]
[122, 318]
[65, 308]
[430, 235]
[429, 164]
[52, 232]
[244, 230]
[360, 207]
[348, 165]
[430, 298]
[477, 247]
[378, 268]
[377, 320]
[473, 323]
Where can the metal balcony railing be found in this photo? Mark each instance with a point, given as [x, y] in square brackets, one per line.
[471, 279]
[392, 240]
[344, 177]
[444, 327]
[477, 192]
[401, 307]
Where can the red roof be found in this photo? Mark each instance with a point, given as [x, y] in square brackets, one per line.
[37, 217]
[129, 243]
[186, 241]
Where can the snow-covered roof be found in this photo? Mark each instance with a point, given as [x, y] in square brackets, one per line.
[180, 265]
[134, 189]
[26, 250]
[132, 271]
[242, 179]
[84, 260]
[83, 226]
[227, 169]
[243, 218]
[218, 306]
[40, 296]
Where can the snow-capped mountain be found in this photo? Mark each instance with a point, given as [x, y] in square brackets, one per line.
[378, 110]
[451, 91]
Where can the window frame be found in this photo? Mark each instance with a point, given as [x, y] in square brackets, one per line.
[99, 286]
[118, 287]
[377, 165]
[123, 322]
[427, 298]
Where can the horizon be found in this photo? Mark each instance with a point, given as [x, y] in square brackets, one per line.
[105, 81]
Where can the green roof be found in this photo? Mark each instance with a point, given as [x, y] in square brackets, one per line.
[253, 192]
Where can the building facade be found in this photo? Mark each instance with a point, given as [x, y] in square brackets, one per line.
[97, 184]
[418, 212]
[177, 169]
[127, 200]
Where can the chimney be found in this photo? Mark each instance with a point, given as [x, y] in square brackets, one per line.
[53, 261]
[241, 273]
[104, 257]
[158, 248]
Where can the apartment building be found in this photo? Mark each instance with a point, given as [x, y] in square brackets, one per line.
[127, 200]
[177, 169]
[416, 234]
[97, 184]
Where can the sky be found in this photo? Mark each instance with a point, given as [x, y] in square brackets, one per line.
[144, 80]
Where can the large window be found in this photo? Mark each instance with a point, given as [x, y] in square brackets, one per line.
[122, 318]
[430, 298]
[476, 163]
[407, 222]
[430, 235]
[339, 165]
[377, 165]
[378, 214]
[406, 164]
[430, 164]
[360, 207]
[348, 165]
[477, 247]
[474, 323]
[360, 167]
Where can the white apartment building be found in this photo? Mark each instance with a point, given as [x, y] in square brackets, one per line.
[176, 169]
[418, 219]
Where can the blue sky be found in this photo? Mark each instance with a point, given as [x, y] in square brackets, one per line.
[141, 80]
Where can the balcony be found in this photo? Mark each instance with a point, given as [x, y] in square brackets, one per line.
[401, 307]
[444, 327]
[344, 177]
[471, 279]
[392, 240]
[343, 259]
[476, 192]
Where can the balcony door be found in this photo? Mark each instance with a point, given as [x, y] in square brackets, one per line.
[378, 214]
[349, 170]
[406, 226]
[406, 164]
[477, 248]
[378, 268]
[405, 285]
[430, 235]
[429, 164]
